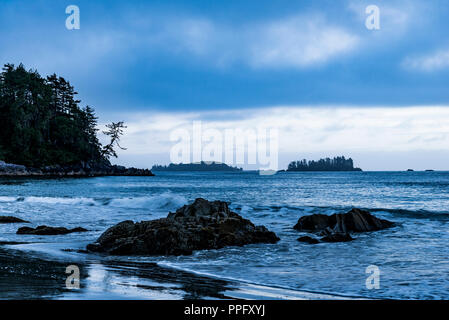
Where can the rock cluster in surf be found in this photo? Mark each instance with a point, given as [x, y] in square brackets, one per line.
[10, 219]
[201, 225]
[337, 227]
[48, 231]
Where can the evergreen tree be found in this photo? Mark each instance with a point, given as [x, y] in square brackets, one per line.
[114, 132]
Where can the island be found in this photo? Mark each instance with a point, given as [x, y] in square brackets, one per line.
[196, 166]
[45, 132]
[327, 164]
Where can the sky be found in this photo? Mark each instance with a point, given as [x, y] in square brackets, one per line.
[311, 68]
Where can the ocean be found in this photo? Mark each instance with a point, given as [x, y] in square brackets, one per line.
[412, 257]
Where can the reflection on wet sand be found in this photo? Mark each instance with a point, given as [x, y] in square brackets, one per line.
[24, 276]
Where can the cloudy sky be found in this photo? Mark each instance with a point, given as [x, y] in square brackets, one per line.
[311, 68]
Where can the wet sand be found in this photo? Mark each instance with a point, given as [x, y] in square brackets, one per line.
[27, 275]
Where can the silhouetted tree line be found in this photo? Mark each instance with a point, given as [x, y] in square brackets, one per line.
[327, 164]
[41, 122]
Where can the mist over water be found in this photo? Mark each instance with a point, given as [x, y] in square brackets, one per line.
[412, 256]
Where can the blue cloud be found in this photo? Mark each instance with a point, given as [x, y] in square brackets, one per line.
[203, 55]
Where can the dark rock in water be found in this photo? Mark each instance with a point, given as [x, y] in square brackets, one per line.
[313, 223]
[9, 243]
[198, 226]
[308, 239]
[330, 237]
[45, 230]
[9, 219]
[336, 227]
[355, 220]
[337, 237]
[75, 250]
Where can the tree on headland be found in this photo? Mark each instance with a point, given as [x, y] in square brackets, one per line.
[114, 132]
[42, 123]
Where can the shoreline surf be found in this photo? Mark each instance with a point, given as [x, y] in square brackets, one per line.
[165, 278]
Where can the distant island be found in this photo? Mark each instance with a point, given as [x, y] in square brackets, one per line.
[45, 132]
[327, 164]
[198, 166]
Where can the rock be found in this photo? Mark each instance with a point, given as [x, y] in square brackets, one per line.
[198, 226]
[10, 243]
[9, 219]
[75, 250]
[308, 240]
[355, 220]
[337, 237]
[45, 230]
[313, 223]
[9, 167]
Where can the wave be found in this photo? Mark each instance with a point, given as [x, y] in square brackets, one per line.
[163, 201]
[263, 211]
[51, 200]
[399, 212]
[262, 290]
[166, 201]
[169, 201]
[417, 214]
[8, 199]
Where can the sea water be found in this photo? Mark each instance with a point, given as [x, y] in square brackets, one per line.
[412, 257]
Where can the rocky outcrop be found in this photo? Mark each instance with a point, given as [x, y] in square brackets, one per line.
[9, 219]
[308, 240]
[83, 169]
[198, 226]
[330, 237]
[337, 237]
[46, 231]
[355, 220]
[337, 227]
[9, 167]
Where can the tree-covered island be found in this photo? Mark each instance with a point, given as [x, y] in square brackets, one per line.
[198, 166]
[327, 164]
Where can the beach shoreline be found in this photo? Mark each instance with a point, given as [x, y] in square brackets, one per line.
[30, 275]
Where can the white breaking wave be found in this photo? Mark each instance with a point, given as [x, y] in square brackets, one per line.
[51, 200]
[8, 199]
[166, 201]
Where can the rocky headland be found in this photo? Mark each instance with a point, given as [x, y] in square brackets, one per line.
[83, 169]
